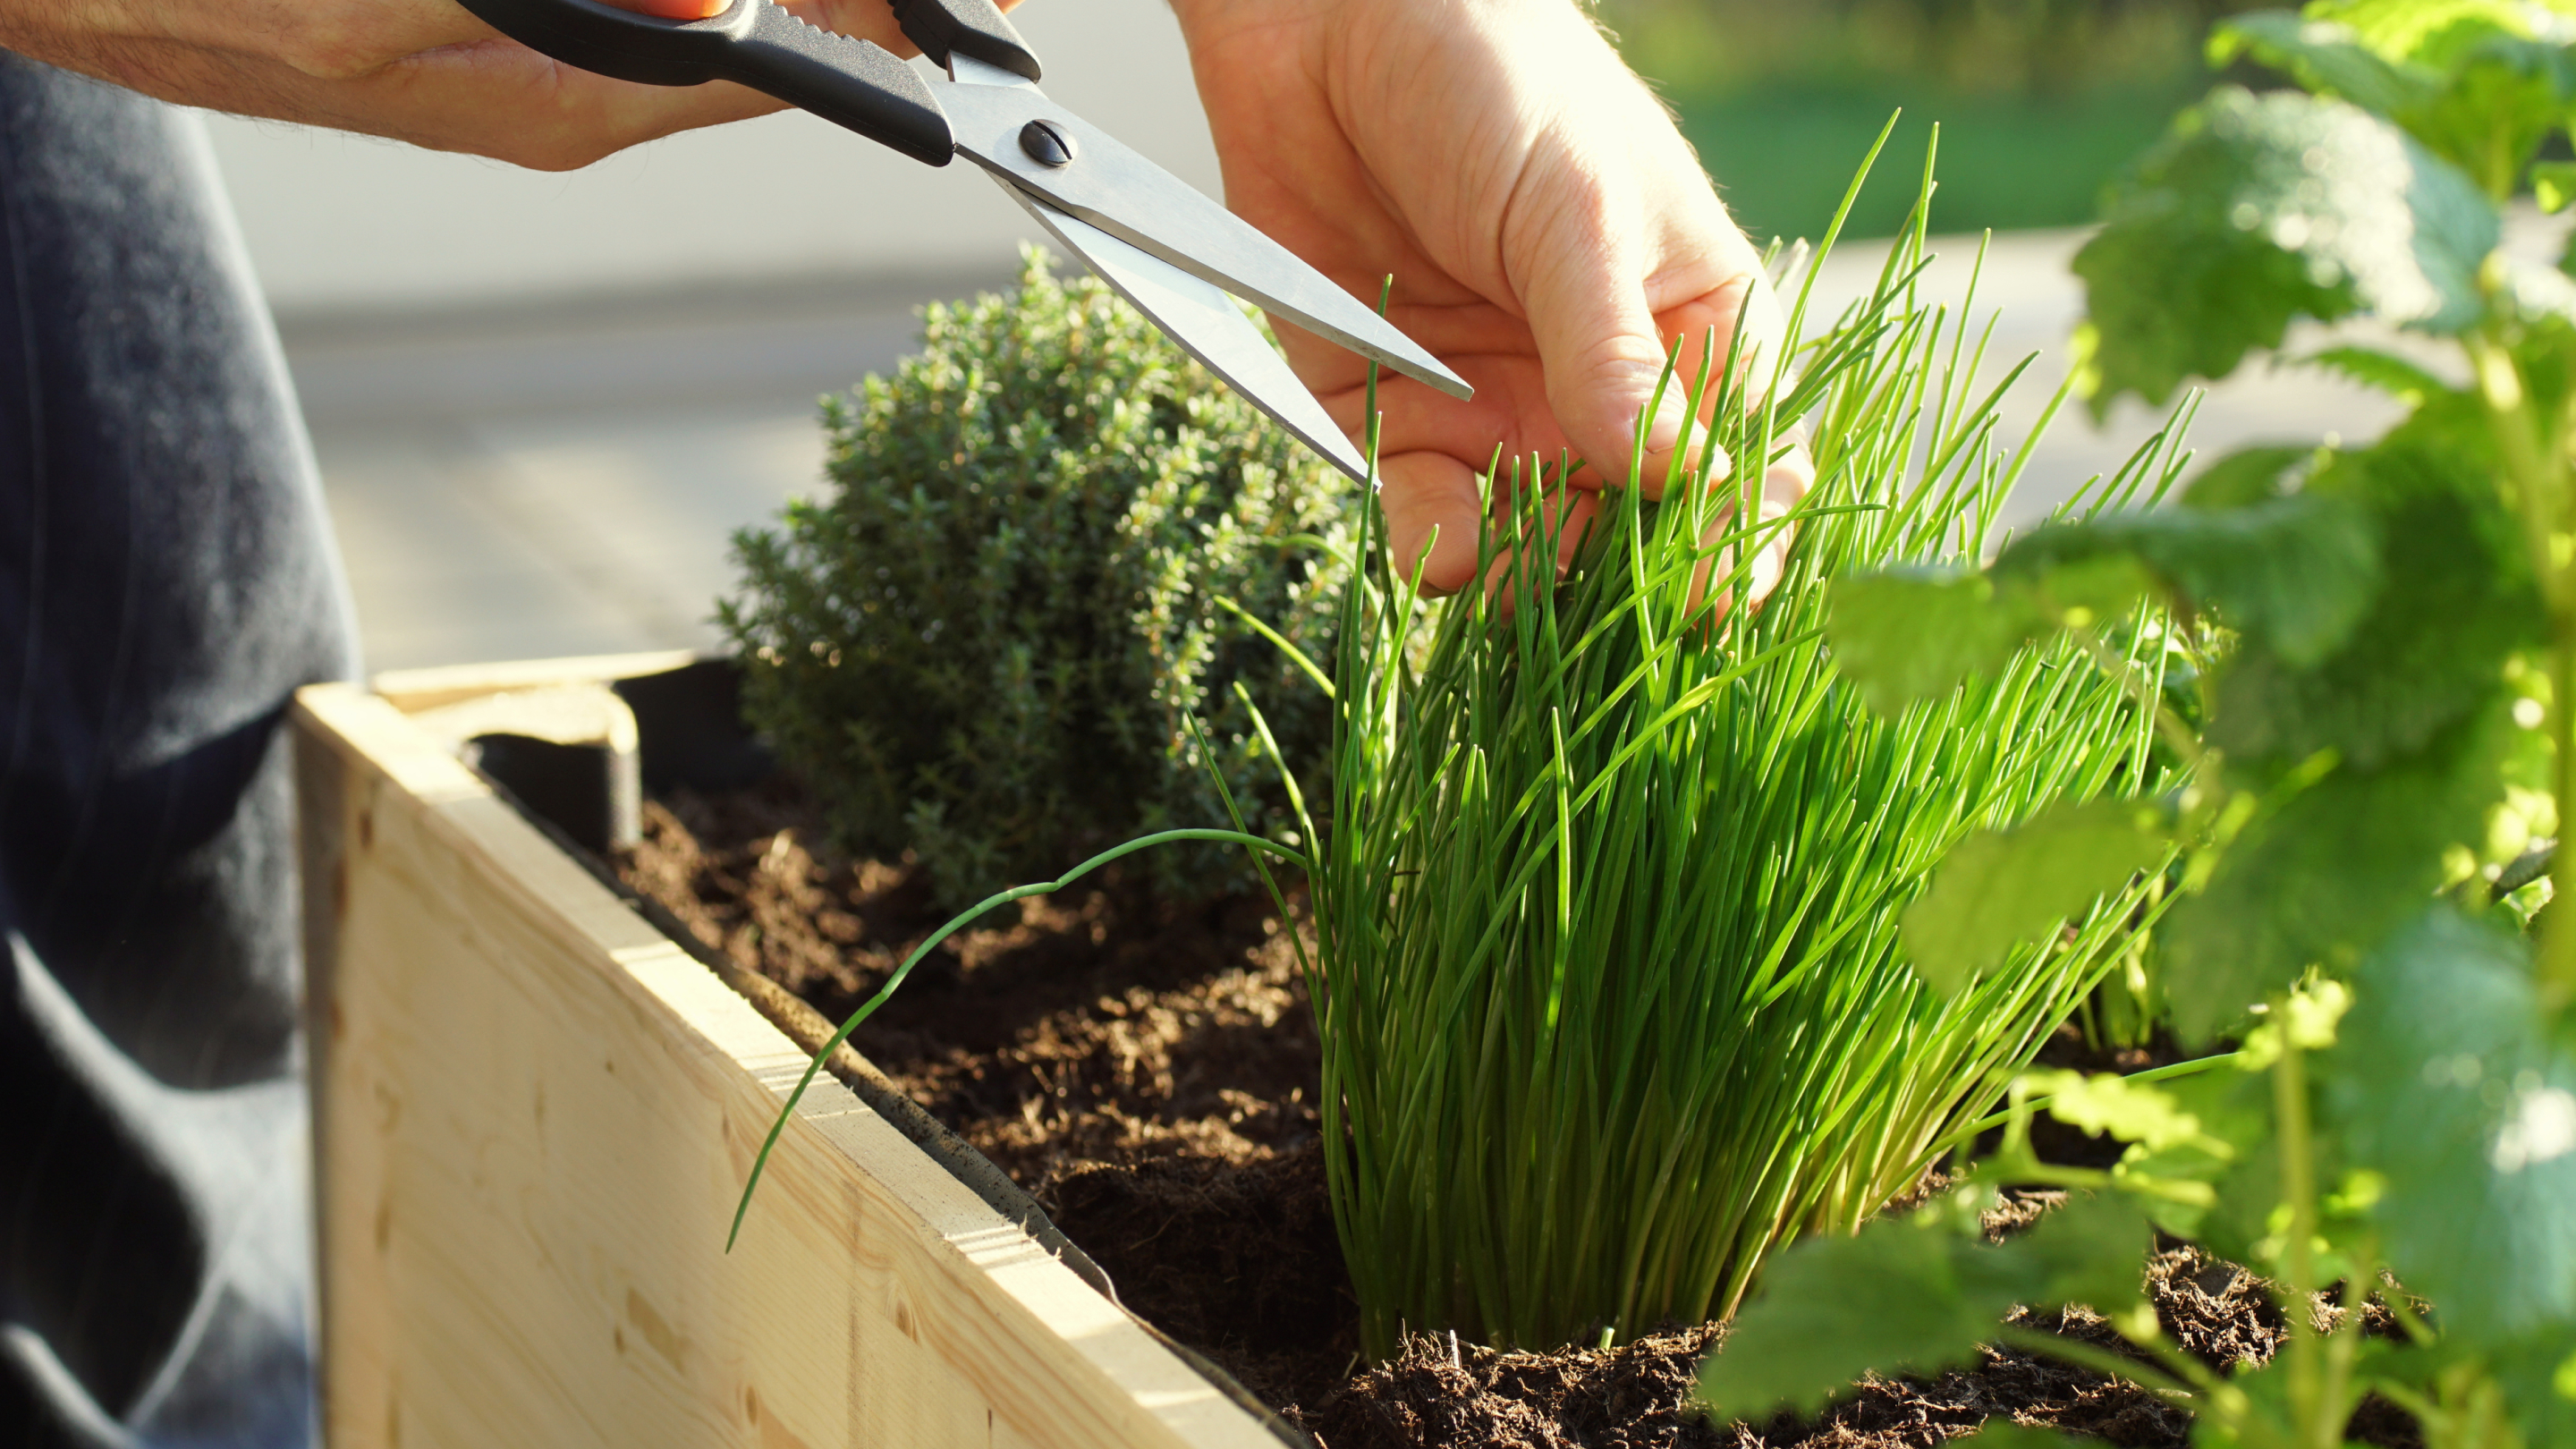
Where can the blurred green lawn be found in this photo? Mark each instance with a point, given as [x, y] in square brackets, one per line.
[1783, 156]
[2040, 102]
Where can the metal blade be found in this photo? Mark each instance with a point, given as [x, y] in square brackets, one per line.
[1138, 202]
[1203, 319]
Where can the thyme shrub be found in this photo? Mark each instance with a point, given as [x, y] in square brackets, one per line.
[984, 643]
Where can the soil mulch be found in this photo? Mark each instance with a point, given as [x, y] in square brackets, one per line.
[1147, 1072]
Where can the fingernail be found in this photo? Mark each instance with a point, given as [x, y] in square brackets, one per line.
[1665, 433]
[1768, 566]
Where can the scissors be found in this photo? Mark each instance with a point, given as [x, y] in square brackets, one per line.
[1169, 250]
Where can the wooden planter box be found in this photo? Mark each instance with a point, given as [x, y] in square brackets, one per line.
[534, 1112]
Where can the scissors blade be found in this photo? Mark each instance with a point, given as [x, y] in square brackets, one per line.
[1121, 193]
[1204, 320]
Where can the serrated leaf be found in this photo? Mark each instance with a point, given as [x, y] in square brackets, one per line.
[2428, 651]
[1904, 636]
[2499, 72]
[2000, 889]
[1913, 1295]
[2430, 32]
[2445, 1083]
[2231, 1158]
[2505, 94]
[2259, 210]
[2091, 1251]
[2296, 573]
[2245, 477]
[2325, 876]
[2370, 367]
[2325, 57]
[2108, 1104]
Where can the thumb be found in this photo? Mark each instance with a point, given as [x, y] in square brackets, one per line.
[1622, 257]
[1583, 290]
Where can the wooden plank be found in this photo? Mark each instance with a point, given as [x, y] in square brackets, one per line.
[414, 690]
[533, 1115]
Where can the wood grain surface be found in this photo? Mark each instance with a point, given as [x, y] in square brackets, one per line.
[534, 1114]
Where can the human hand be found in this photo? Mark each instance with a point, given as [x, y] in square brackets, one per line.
[423, 71]
[1551, 236]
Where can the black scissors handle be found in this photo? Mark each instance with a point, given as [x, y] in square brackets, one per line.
[755, 43]
[976, 29]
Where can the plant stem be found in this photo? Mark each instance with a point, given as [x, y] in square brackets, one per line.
[2344, 1348]
[2316, 1424]
[2100, 1360]
[2536, 475]
[957, 923]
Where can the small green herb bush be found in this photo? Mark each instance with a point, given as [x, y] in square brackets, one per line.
[983, 644]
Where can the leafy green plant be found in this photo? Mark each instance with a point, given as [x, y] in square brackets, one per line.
[986, 644]
[1612, 990]
[2381, 751]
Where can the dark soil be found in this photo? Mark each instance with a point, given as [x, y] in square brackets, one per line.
[1148, 1073]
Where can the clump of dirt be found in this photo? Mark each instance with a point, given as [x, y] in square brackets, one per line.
[1439, 1392]
[1148, 1072]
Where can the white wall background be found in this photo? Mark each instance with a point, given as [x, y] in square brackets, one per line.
[337, 222]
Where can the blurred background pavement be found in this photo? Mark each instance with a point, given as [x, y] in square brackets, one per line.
[542, 402]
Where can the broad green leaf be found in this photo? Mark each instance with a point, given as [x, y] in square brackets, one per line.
[2446, 1084]
[2434, 32]
[2085, 593]
[1913, 1295]
[2538, 1376]
[2323, 877]
[2257, 211]
[2245, 477]
[2218, 1185]
[2091, 1251]
[2553, 185]
[2108, 1104]
[2296, 573]
[2391, 374]
[2325, 57]
[2480, 85]
[2432, 645]
[2000, 889]
[1904, 636]
[2504, 95]
[1890, 1299]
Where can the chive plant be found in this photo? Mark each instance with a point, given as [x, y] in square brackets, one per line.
[1609, 973]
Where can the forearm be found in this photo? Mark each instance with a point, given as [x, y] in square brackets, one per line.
[423, 71]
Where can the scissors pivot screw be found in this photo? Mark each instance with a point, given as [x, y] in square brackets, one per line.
[1046, 145]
